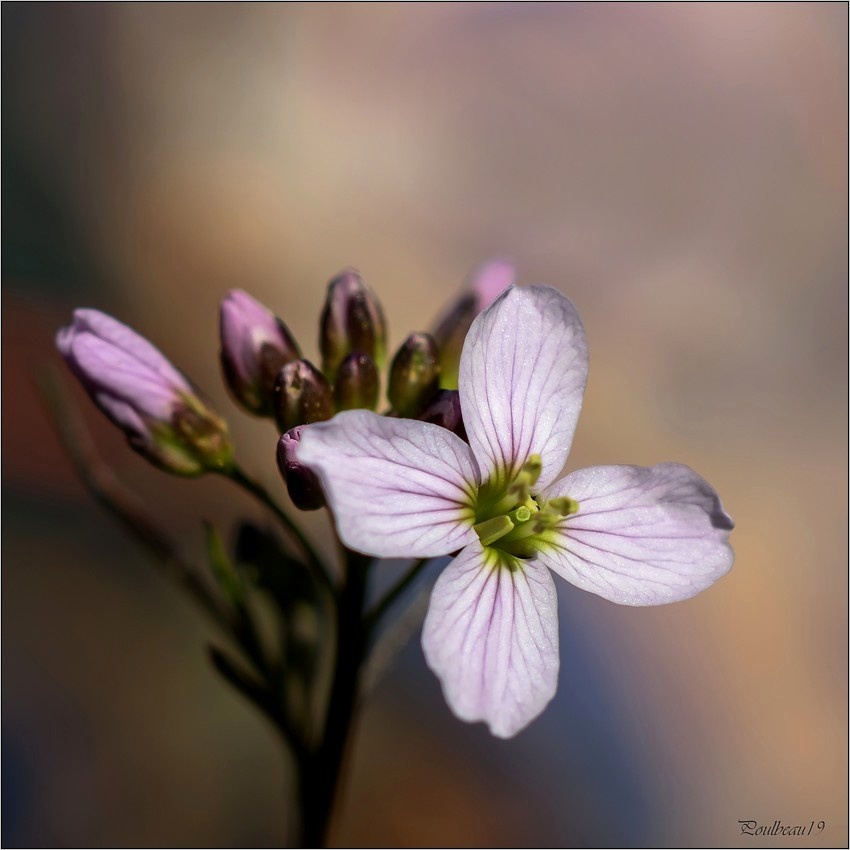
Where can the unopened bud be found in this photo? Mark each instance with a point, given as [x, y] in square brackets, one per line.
[352, 320]
[162, 415]
[301, 395]
[444, 410]
[356, 383]
[414, 375]
[301, 483]
[255, 344]
[483, 287]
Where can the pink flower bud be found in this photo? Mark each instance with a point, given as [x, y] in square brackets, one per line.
[144, 395]
[255, 344]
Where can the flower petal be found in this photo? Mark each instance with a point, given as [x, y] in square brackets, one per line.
[522, 376]
[398, 488]
[109, 370]
[116, 333]
[642, 535]
[491, 635]
[124, 416]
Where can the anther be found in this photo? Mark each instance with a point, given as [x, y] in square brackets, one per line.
[493, 529]
[532, 468]
[563, 505]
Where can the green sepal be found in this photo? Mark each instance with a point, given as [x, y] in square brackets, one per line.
[195, 440]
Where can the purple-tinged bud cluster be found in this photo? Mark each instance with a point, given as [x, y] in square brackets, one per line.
[301, 484]
[255, 345]
[144, 395]
[166, 421]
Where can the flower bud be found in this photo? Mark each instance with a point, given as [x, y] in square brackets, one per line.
[144, 395]
[483, 287]
[444, 410]
[301, 395]
[255, 344]
[414, 375]
[356, 383]
[352, 320]
[301, 483]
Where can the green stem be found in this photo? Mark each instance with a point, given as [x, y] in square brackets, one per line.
[374, 616]
[320, 775]
[238, 476]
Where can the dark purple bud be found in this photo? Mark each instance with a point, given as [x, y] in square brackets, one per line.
[301, 483]
[144, 395]
[352, 320]
[482, 288]
[301, 395]
[414, 375]
[356, 383]
[444, 410]
[255, 345]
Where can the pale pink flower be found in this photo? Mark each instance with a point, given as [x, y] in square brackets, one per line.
[403, 488]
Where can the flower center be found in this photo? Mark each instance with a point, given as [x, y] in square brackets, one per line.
[509, 518]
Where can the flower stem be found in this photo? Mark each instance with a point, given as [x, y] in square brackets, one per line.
[374, 616]
[102, 483]
[320, 773]
[238, 476]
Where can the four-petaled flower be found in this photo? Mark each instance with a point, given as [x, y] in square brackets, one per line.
[401, 488]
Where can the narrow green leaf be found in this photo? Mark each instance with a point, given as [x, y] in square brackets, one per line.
[273, 569]
[223, 570]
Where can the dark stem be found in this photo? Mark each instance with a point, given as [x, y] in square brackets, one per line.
[320, 775]
[374, 616]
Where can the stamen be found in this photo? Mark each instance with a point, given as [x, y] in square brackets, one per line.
[520, 489]
[563, 505]
[493, 529]
[532, 468]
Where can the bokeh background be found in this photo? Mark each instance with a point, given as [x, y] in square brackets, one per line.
[680, 171]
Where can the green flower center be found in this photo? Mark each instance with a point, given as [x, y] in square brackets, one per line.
[510, 519]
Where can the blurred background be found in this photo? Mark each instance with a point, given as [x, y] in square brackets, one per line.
[678, 170]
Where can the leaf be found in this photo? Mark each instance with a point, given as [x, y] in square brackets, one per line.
[293, 588]
[223, 570]
[274, 570]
